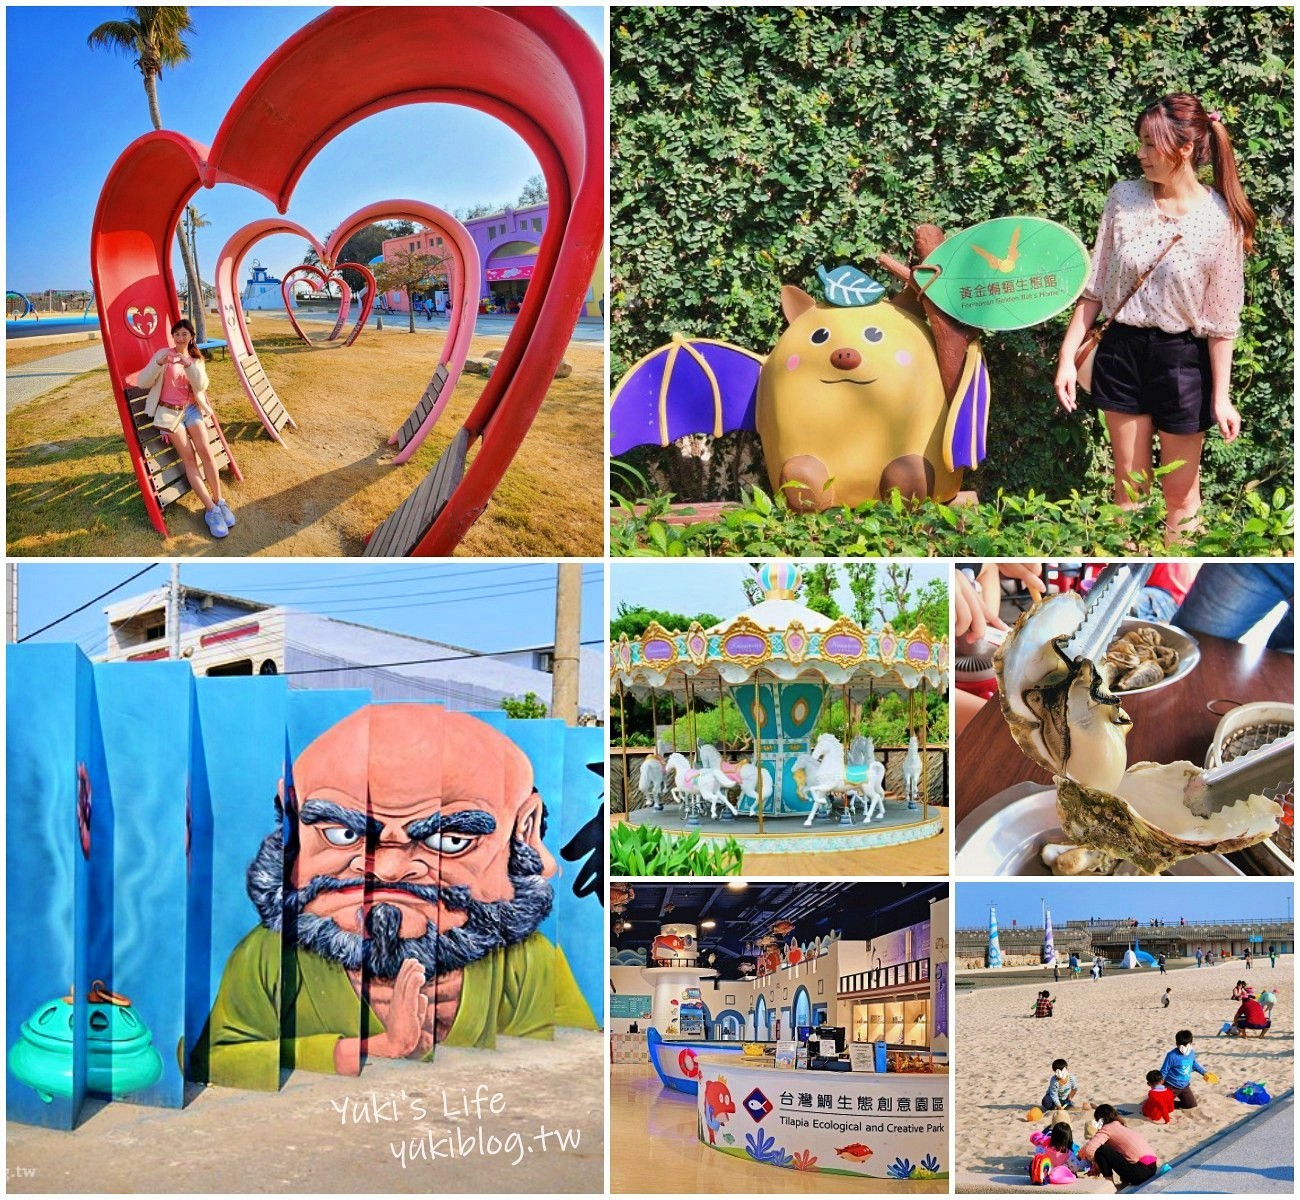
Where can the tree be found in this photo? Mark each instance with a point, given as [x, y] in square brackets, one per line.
[478, 210]
[862, 583]
[406, 271]
[819, 584]
[155, 35]
[534, 192]
[528, 707]
[364, 245]
[193, 221]
[634, 620]
[905, 610]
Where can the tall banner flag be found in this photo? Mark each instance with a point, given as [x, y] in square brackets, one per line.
[995, 951]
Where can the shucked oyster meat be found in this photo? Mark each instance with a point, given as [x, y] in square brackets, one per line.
[1065, 717]
[1138, 659]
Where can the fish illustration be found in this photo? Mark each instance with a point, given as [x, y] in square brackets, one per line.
[855, 1152]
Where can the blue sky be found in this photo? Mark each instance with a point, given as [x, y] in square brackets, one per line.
[71, 111]
[491, 607]
[1166, 899]
[709, 586]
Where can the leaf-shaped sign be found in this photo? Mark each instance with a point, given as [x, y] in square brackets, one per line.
[847, 287]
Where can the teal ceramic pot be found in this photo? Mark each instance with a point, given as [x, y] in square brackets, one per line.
[121, 1054]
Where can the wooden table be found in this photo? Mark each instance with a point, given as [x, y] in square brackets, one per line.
[1169, 724]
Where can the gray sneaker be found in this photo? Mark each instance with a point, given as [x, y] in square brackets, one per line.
[226, 514]
[216, 523]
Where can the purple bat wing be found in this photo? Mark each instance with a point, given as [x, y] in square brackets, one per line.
[968, 426]
[711, 387]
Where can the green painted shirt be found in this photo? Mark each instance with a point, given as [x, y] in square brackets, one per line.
[523, 990]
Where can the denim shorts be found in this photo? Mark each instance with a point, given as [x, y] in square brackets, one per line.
[192, 416]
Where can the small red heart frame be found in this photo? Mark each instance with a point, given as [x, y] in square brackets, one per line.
[463, 270]
[319, 280]
[533, 68]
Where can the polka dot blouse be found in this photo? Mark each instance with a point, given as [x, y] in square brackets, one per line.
[1198, 285]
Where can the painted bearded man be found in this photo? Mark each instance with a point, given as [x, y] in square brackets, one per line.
[416, 884]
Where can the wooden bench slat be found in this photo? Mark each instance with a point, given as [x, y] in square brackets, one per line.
[404, 528]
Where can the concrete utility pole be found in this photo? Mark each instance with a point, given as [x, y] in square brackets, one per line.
[11, 594]
[174, 614]
[568, 635]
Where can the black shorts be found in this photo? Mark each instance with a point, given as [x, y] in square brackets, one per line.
[1147, 372]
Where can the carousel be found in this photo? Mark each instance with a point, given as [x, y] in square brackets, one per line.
[800, 787]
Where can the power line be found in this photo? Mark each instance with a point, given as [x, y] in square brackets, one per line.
[414, 662]
[403, 575]
[83, 607]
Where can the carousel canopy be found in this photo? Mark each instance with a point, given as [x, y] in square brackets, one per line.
[778, 639]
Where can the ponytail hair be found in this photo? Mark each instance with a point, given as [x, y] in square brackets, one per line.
[1180, 119]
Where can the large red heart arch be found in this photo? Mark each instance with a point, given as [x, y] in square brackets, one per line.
[532, 68]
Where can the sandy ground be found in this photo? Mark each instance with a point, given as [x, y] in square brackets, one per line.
[1112, 1033]
[71, 490]
[317, 1135]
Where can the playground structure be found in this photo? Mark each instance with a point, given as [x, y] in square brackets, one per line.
[18, 306]
[781, 662]
[532, 68]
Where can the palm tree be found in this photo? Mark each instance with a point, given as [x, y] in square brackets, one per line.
[156, 37]
[194, 221]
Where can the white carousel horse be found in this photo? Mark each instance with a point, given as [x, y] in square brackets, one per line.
[652, 779]
[912, 772]
[750, 777]
[823, 773]
[867, 772]
[702, 783]
[743, 775]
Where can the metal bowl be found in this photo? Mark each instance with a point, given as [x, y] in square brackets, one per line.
[1189, 653]
[1006, 834]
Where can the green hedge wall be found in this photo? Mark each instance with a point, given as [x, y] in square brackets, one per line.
[751, 144]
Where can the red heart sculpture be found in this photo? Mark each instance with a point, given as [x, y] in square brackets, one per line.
[319, 280]
[531, 67]
[463, 272]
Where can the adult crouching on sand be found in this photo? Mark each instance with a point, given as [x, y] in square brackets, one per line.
[1119, 1153]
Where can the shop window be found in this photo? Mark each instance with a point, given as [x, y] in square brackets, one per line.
[243, 667]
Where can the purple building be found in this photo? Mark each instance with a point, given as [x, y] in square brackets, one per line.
[507, 245]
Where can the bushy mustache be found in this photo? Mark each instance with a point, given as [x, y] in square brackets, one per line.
[381, 950]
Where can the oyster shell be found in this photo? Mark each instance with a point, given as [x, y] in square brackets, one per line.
[1061, 714]
[1138, 659]
[1064, 716]
[1075, 860]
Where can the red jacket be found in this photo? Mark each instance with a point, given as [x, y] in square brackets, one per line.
[1159, 1104]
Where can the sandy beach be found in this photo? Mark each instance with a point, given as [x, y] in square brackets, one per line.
[1111, 1032]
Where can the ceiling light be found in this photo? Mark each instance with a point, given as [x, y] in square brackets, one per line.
[737, 885]
[708, 924]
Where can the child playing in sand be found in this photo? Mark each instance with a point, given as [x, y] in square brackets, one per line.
[1057, 1145]
[1043, 1004]
[1159, 1104]
[1164, 1000]
[1268, 998]
[1061, 1088]
[1178, 1067]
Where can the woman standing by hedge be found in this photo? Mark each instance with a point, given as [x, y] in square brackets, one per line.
[1164, 364]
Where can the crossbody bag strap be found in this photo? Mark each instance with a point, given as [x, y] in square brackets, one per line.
[1133, 291]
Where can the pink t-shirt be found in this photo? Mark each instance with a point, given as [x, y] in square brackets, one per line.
[176, 390]
[1131, 1144]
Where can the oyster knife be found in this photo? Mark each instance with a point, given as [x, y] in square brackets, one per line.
[1270, 770]
[1108, 603]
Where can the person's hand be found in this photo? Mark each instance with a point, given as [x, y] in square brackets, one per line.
[1228, 419]
[969, 612]
[161, 356]
[406, 1014]
[1067, 378]
[1030, 574]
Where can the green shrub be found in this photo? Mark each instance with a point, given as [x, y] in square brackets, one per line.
[646, 850]
[751, 144]
[1253, 525]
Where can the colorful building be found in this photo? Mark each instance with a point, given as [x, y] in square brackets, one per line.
[507, 244]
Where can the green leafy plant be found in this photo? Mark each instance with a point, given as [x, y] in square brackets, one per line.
[529, 706]
[1251, 523]
[646, 850]
[751, 144]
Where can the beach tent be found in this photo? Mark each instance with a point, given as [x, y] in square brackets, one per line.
[1130, 960]
[1049, 947]
[994, 956]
